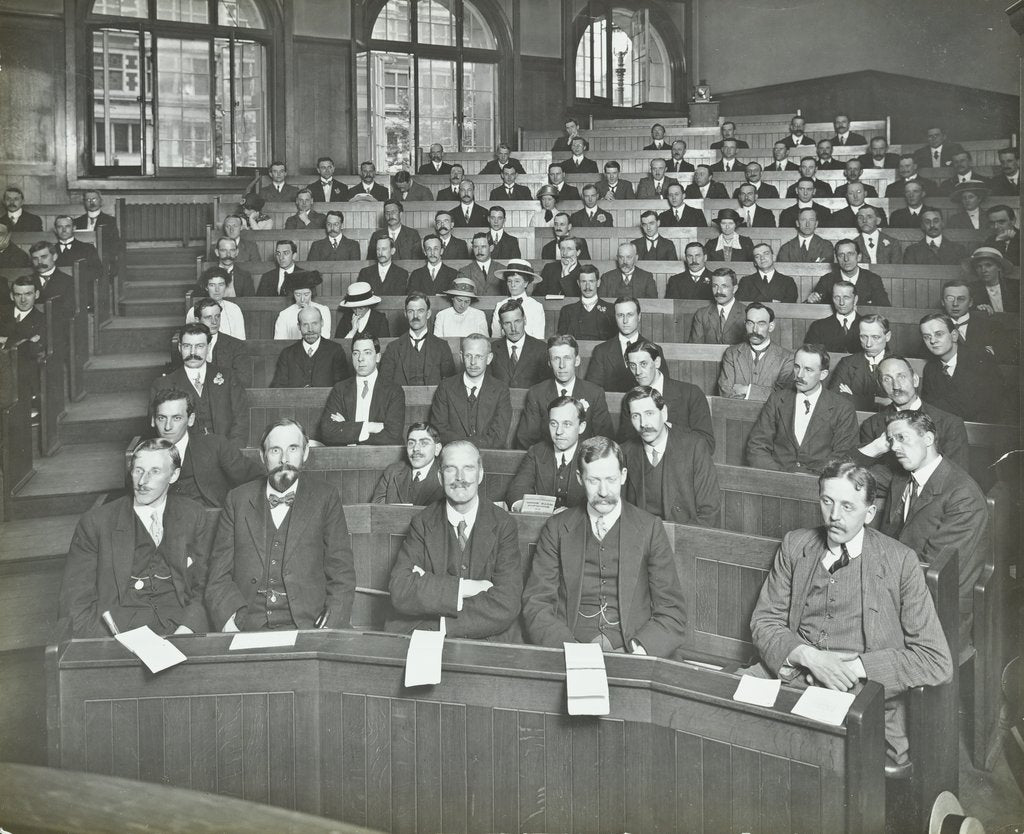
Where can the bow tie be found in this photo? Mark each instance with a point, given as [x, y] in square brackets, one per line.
[275, 500]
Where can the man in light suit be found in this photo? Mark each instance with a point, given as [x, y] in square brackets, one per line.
[671, 473]
[627, 279]
[284, 525]
[807, 246]
[641, 611]
[407, 241]
[419, 357]
[756, 367]
[364, 408]
[313, 361]
[473, 405]
[278, 191]
[520, 360]
[143, 557]
[607, 368]
[798, 430]
[856, 375]
[549, 465]
[723, 322]
[417, 478]
[459, 570]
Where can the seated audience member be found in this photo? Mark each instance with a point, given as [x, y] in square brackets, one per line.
[655, 185]
[459, 570]
[838, 332]
[549, 466]
[809, 171]
[676, 163]
[545, 215]
[694, 282]
[419, 357]
[678, 213]
[658, 142]
[751, 214]
[96, 218]
[965, 382]
[435, 164]
[503, 159]
[804, 200]
[277, 281]
[452, 248]
[455, 177]
[825, 161]
[367, 188]
[417, 478]
[934, 249]
[556, 179]
[435, 276]
[578, 162]
[385, 277]
[482, 269]
[766, 284]
[910, 216]
[405, 189]
[968, 195]
[843, 135]
[938, 153]
[221, 404]
[934, 504]
[505, 246]
[796, 137]
[686, 402]
[1004, 236]
[406, 240]
[994, 291]
[856, 375]
[878, 155]
[1007, 182]
[287, 324]
[780, 159]
[314, 361]
[852, 172]
[70, 250]
[223, 350]
[729, 161]
[364, 408]
[251, 210]
[807, 246]
[627, 279]
[670, 472]
[232, 322]
[975, 328]
[142, 558]
[327, 189]
[869, 286]
[755, 368]
[799, 429]
[16, 217]
[11, 255]
[245, 592]
[873, 246]
[611, 186]
[572, 128]
[24, 327]
[247, 250]
[703, 186]
[962, 165]
[473, 405]
[727, 130]
[802, 632]
[357, 314]
[607, 367]
[563, 356]
[562, 228]
[210, 465]
[729, 245]
[517, 276]
[752, 174]
[55, 284]
[590, 214]
[305, 217]
[590, 318]
[722, 322]
[462, 318]
[590, 548]
[651, 246]
[846, 217]
[561, 277]
[519, 359]
[907, 170]
[278, 191]
[240, 283]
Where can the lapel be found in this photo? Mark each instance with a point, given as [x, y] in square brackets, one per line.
[254, 518]
[871, 565]
[788, 413]
[300, 514]
[175, 536]
[820, 417]
[629, 562]
[460, 402]
[349, 395]
[572, 545]
[376, 400]
[932, 490]
[803, 570]
[484, 541]
[124, 544]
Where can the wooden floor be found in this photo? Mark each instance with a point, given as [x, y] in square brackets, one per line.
[85, 467]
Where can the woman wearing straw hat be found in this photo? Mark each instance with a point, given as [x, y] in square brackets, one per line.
[968, 195]
[517, 275]
[994, 291]
[357, 314]
[462, 318]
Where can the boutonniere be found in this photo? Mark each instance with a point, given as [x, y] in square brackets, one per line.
[218, 380]
[884, 242]
[601, 218]
[585, 404]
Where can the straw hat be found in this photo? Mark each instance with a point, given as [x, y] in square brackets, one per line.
[947, 817]
[461, 287]
[982, 189]
[518, 266]
[990, 253]
[359, 294]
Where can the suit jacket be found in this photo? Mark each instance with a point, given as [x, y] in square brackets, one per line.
[376, 324]
[804, 142]
[895, 188]
[819, 250]
[494, 167]
[773, 373]
[854, 372]
[689, 481]
[719, 167]
[664, 249]
[419, 279]
[447, 195]
[784, 166]
[641, 285]
[765, 191]
[585, 166]
[455, 250]
[449, 412]
[580, 219]
[607, 367]
[831, 164]
[387, 406]
[321, 250]
[231, 354]
[97, 573]
[746, 251]
[975, 391]
[1002, 187]
[821, 189]
[14, 257]
[60, 287]
[417, 193]
[428, 168]
[566, 193]
[477, 217]
[339, 191]
[688, 411]
[315, 220]
[596, 326]
[396, 282]
[287, 194]
[396, 365]
[678, 166]
[320, 572]
[650, 596]
[408, 246]
[108, 222]
[1009, 287]
[554, 283]
[788, 216]
[226, 400]
[851, 139]
[268, 283]
[506, 248]
[763, 218]
[832, 430]
[682, 285]
[549, 252]
[489, 284]
[948, 254]
[538, 475]
[623, 190]
[30, 327]
[296, 369]
[923, 156]
[846, 218]
[903, 219]
[28, 222]
[689, 216]
[519, 192]
[79, 251]
[782, 288]
[869, 190]
[420, 598]
[870, 289]
[645, 188]
[217, 468]
[241, 280]
[531, 368]
[890, 160]
[706, 327]
[378, 192]
[961, 220]
[905, 645]
[716, 191]
[949, 511]
[653, 146]
[396, 486]
[533, 424]
[829, 332]
[1010, 248]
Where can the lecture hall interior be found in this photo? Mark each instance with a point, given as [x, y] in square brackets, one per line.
[202, 200]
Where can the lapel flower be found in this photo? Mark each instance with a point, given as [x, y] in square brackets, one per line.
[601, 218]
[218, 380]
[585, 404]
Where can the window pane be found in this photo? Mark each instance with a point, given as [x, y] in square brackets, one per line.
[184, 131]
[393, 23]
[246, 113]
[241, 13]
[437, 103]
[186, 11]
[122, 8]
[392, 130]
[436, 22]
[116, 83]
[479, 95]
[590, 61]
[475, 31]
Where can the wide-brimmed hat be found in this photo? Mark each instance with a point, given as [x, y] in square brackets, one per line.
[304, 280]
[547, 191]
[728, 214]
[518, 266]
[989, 253]
[359, 294]
[362, 197]
[253, 201]
[461, 287]
[948, 816]
[983, 189]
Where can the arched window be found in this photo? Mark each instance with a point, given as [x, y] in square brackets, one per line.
[178, 86]
[622, 59]
[431, 74]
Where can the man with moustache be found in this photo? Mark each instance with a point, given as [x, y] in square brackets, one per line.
[364, 408]
[627, 279]
[385, 277]
[239, 280]
[24, 327]
[282, 557]
[407, 244]
[754, 368]
[419, 357]
[722, 321]
[590, 318]
[608, 368]
[416, 479]
[695, 282]
[549, 466]
[435, 277]
[368, 187]
[334, 246]
[452, 248]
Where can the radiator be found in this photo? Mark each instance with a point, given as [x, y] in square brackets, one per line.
[166, 221]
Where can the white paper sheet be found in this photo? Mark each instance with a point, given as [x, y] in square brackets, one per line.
[586, 679]
[152, 649]
[759, 691]
[263, 640]
[539, 504]
[423, 661]
[825, 705]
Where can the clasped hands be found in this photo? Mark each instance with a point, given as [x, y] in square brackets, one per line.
[834, 670]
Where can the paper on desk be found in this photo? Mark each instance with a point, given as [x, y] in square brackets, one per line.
[586, 679]
[263, 640]
[759, 691]
[149, 647]
[423, 661]
[825, 705]
[541, 504]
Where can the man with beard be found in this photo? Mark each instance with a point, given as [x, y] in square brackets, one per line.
[415, 480]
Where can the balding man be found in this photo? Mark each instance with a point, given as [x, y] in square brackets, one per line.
[312, 362]
[468, 212]
[627, 279]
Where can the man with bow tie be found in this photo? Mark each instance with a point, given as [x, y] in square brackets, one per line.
[327, 189]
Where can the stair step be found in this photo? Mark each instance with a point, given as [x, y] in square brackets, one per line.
[167, 288]
[136, 307]
[144, 274]
[116, 372]
[115, 417]
[72, 480]
[138, 334]
[154, 256]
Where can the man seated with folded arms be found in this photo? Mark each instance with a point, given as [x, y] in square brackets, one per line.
[590, 318]
[313, 361]
[573, 593]
[232, 322]
[473, 405]
[302, 286]
[838, 332]
[415, 479]
[364, 408]
[549, 466]
[810, 626]
[963, 381]
[856, 375]
[722, 321]
[462, 318]
[757, 366]
[419, 357]
[459, 570]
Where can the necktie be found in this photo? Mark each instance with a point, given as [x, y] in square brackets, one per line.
[466, 213]
[807, 406]
[366, 389]
[657, 189]
[548, 215]
[757, 359]
[679, 215]
[460, 531]
[156, 528]
[509, 190]
[871, 243]
[846, 327]
[650, 245]
[64, 247]
[654, 457]
[931, 243]
[935, 159]
[472, 396]
[277, 500]
[197, 383]
[334, 243]
[946, 372]
[909, 496]
[417, 343]
[416, 476]
[564, 392]
[721, 318]
[562, 468]
[309, 351]
[514, 357]
[803, 246]
[842, 561]
[750, 218]
[842, 140]
[601, 528]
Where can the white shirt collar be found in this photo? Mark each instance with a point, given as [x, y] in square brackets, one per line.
[658, 446]
[290, 491]
[726, 307]
[454, 516]
[569, 453]
[315, 346]
[470, 383]
[182, 446]
[609, 518]
[191, 373]
[923, 473]
[854, 547]
[800, 397]
[589, 303]
[145, 512]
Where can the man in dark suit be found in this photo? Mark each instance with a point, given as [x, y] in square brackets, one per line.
[326, 189]
[751, 214]
[655, 185]
[142, 558]
[53, 283]
[504, 247]
[809, 170]
[766, 284]
[852, 171]
[870, 289]
[70, 250]
[780, 159]
[723, 321]
[907, 170]
[17, 218]
[856, 375]
[611, 186]
[95, 218]
[520, 361]
[275, 281]
[1007, 182]
[590, 214]
[239, 280]
[729, 161]
[1004, 236]
[796, 138]
[459, 569]
[246, 250]
[878, 155]
[305, 217]
[798, 430]
[703, 186]
[406, 190]
[452, 248]
[368, 187]
[299, 518]
[210, 465]
[419, 357]
[804, 201]
[407, 241]
[825, 161]
[910, 216]
[641, 610]
[752, 173]
[729, 245]
[846, 217]
[727, 130]
[313, 361]
[416, 479]
[627, 279]
[676, 163]
[562, 229]
[695, 281]
[964, 382]
[607, 367]
[657, 142]
[938, 153]
[335, 246]
[549, 466]
[12, 256]
[652, 246]
[934, 249]
[838, 332]
[510, 190]
[563, 355]
[468, 212]
[976, 330]
[843, 135]
[435, 276]
[364, 408]
[385, 277]
[455, 177]
[502, 159]
[578, 162]
[678, 213]
[473, 405]
[278, 191]
[963, 171]
[435, 165]
[556, 179]
[590, 318]
[24, 327]
[224, 351]
[670, 470]
[994, 291]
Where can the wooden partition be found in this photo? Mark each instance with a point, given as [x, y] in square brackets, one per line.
[15, 434]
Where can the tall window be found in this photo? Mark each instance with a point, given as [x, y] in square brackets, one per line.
[178, 86]
[430, 75]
